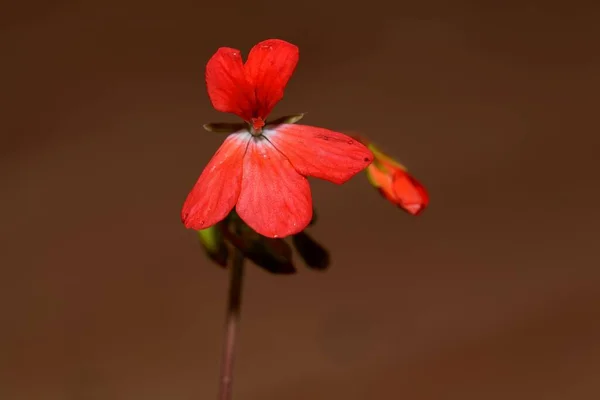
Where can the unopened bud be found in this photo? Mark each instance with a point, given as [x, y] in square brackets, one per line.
[395, 183]
[314, 255]
[214, 244]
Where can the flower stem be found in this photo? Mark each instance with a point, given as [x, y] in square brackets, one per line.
[231, 325]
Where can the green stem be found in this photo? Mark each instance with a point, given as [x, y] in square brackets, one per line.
[231, 325]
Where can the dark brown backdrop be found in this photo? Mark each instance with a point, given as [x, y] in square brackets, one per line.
[491, 294]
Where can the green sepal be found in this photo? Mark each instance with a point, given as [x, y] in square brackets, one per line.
[288, 119]
[225, 127]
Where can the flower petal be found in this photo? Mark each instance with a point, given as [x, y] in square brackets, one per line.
[411, 195]
[320, 152]
[228, 89]
[269, 67]
[217, 190]
[275, 199]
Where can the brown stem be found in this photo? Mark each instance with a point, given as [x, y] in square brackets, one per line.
[231, 325]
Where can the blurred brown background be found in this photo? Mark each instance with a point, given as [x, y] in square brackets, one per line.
[493, 293]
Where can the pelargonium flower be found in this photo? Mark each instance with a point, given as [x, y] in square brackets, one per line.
[261, 169]
[395, 183]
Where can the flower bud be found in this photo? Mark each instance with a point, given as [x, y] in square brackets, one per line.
[314, 255]
[273, 255]
[214, 244]
[395, 183]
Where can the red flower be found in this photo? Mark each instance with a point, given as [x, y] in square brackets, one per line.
[395, 184]
[262, 170]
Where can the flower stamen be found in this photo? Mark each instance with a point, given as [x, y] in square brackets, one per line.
[256, 125]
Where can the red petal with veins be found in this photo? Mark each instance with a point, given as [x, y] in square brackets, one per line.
[320, 152]
[269, 67]
[217, 190]
[275, 199]
[227, 86]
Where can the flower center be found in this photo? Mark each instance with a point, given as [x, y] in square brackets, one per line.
[256, 125]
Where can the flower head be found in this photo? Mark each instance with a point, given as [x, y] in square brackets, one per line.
[261, 169]
[395, 183]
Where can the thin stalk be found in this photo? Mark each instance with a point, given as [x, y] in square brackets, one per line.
[232, 319]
